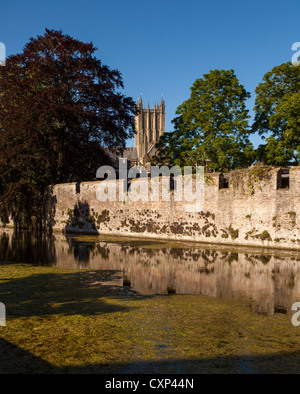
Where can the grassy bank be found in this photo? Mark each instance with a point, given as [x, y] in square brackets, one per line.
[67, 321]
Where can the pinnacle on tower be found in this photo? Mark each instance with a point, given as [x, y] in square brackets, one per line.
[150, 125]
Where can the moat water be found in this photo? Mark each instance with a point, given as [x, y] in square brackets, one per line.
[268, 279]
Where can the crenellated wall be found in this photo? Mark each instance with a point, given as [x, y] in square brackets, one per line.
[260, 207]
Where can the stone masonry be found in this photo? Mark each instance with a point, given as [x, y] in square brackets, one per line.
[246, 207]
[149, 126]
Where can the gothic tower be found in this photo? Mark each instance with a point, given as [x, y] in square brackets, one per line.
[149, 125]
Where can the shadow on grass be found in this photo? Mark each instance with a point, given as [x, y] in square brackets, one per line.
[81, 293]
[61, 293]
[15, 360]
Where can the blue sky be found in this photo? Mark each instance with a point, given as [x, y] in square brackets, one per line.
[162, 47]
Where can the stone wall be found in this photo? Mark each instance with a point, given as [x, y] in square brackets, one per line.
[259, 207]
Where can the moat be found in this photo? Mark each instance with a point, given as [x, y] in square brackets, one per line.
[268, 280]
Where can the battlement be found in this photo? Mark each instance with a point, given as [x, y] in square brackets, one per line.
[259, 178]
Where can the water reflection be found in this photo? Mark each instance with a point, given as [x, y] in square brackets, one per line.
[269, 280]
[25, 247]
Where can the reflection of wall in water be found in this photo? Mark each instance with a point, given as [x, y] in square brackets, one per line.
[267, 280]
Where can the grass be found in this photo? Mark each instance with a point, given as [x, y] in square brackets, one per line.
[68, 321]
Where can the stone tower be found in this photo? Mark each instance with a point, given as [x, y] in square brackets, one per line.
[149, 125]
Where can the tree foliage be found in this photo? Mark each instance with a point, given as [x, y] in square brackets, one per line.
[277, 115]
[58, 106]
[211, 127]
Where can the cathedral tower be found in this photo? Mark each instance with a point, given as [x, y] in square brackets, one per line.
[149, 125]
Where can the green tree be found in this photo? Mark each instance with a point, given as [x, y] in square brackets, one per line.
[58, 106]
[277, 115]
[211, 127]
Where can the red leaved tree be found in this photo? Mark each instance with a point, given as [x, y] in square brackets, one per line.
[58, 106]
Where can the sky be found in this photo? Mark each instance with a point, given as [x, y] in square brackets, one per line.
[162, 46]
